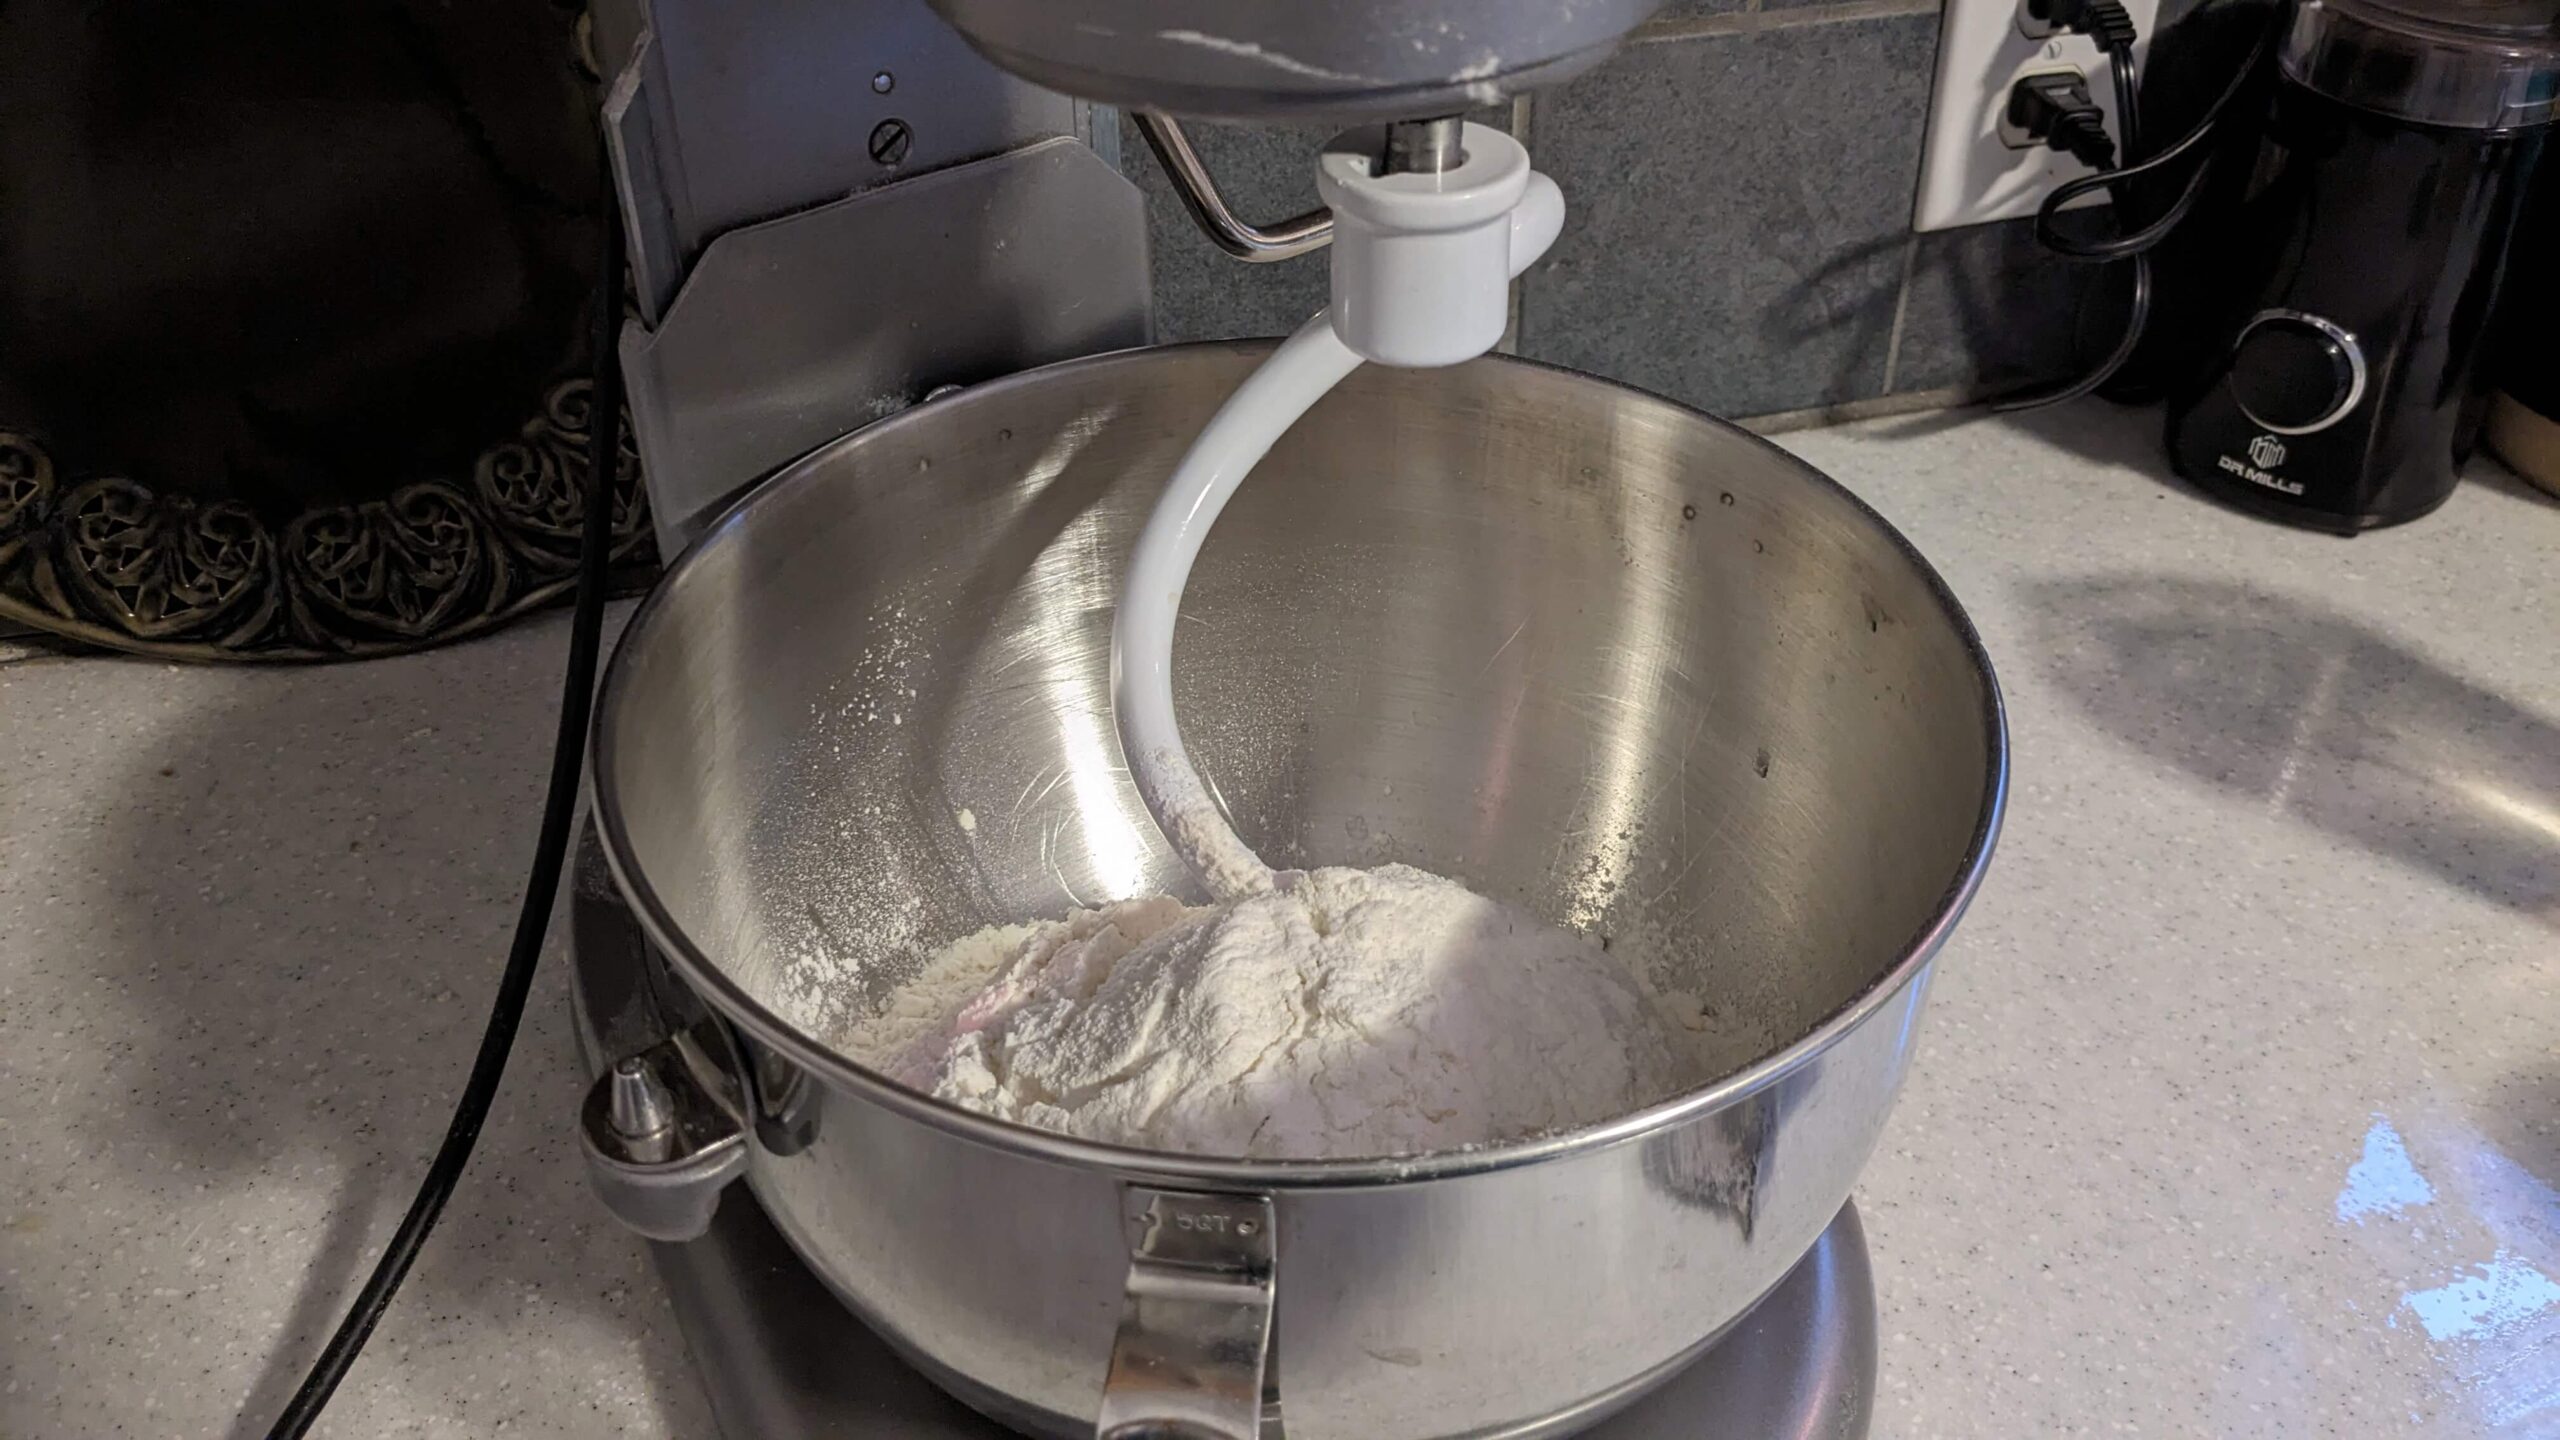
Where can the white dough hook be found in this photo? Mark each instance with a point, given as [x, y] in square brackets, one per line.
[1422, 265]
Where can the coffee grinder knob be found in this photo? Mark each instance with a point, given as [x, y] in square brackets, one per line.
[2293, 373]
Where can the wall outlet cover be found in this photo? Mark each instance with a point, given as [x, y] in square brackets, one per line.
[1968, 174]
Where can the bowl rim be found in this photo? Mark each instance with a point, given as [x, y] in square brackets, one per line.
[724, 994]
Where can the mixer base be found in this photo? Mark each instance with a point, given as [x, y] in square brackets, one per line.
[783, 1360]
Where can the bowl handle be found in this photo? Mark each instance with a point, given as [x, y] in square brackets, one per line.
[1193, 1353]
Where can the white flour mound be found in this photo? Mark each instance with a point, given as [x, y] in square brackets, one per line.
[1352, 1013]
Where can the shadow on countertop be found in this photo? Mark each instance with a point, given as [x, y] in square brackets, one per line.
[304, 895]
[2319, 718]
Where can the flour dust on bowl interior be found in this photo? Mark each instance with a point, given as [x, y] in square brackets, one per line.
[1598, 656]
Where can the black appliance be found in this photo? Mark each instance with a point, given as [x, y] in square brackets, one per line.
[2524, 421]
[2345, 391]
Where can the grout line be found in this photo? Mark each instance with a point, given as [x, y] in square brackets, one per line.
[1522, 112]
[1748, 22]
[1948, 397]
[1509, 344]
[1901, 312]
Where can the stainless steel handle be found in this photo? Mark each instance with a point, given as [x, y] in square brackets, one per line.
[1194, 1344]
[1199, 195]
[664, 1134]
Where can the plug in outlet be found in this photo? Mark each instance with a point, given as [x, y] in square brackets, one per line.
[2034, 19]
[1969, 172]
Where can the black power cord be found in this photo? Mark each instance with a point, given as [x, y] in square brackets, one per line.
[559, 807]
[2149, 236]
[2057, 110]
[2113, 29]
[2107, 22]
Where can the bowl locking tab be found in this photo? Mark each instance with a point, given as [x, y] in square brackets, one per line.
[1192, 1357]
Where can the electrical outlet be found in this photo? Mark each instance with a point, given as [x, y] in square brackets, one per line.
[1969, 174]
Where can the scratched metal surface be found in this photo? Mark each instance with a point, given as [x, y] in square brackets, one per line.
[1591, 653]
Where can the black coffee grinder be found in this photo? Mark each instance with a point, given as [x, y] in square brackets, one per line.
[2393, 157]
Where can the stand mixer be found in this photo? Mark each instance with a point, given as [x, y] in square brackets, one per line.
[836, 216]
[835, 211]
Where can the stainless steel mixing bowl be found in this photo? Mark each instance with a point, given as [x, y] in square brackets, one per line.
[1591, 652]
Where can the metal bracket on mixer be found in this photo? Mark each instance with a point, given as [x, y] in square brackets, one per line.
[777, 1097]
[1195, 1323]
[1192, 185]
[661, 1140]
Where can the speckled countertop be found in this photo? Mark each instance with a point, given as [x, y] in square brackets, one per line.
[2237, 1111]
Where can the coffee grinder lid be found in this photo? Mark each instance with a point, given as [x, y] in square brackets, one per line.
[2463, 64]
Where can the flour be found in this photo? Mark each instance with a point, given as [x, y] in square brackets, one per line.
[1351, 1013]
[1197, 829]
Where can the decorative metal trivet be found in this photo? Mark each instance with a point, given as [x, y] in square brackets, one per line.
[107, 561]
[293, 307]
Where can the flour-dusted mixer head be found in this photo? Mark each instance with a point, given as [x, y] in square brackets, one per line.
[1296, 59]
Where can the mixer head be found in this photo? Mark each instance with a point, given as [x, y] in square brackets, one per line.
[1300, 60]
[1416, 65]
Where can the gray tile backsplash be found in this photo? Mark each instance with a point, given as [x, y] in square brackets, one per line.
[1739, 188]
[1987, 307]
[1739, 209]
